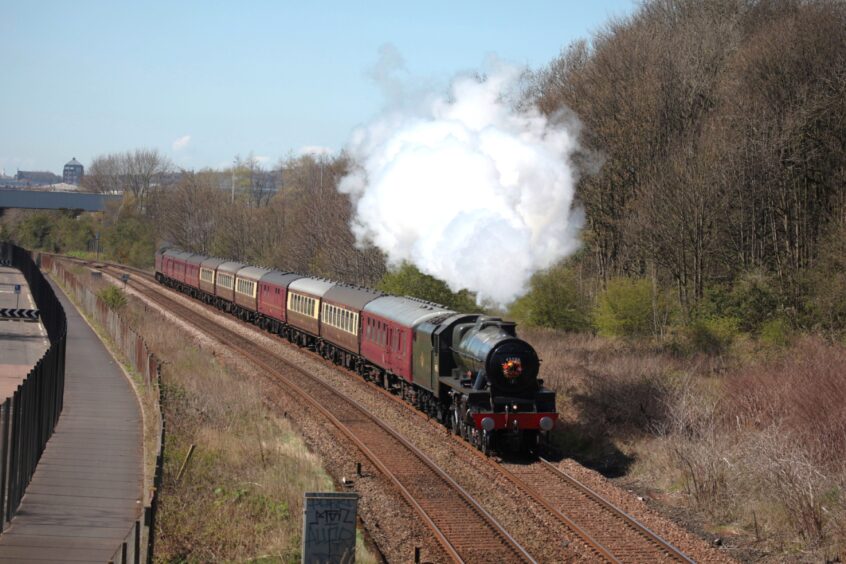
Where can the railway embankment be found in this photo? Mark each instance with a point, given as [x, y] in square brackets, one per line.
[543, 536]
[239, 495]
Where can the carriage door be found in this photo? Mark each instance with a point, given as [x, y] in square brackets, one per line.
[389, 356]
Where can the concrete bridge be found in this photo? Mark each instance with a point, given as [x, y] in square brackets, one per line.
[44, 200]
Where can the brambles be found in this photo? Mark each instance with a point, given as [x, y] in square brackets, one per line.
[758, 444]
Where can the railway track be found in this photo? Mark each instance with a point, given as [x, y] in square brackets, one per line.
[463, 528]
[609, 533]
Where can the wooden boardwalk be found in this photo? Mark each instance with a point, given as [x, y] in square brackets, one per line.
[87, 490]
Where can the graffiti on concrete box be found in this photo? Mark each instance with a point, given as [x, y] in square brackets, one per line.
[329, 528]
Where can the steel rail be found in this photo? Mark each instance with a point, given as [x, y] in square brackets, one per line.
[250, 349]
[629, 520]
[591, 542]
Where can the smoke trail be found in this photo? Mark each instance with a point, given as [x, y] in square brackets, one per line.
[464, 186]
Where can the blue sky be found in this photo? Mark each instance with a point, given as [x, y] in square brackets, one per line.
[205, 81]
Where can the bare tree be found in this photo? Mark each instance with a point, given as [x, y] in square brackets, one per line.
[145, 170]
[104, 175]
[191, 211]
[252, 181]
[134, 173]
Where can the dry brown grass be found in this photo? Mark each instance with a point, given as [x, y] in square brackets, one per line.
[240, 498]
[752, 441]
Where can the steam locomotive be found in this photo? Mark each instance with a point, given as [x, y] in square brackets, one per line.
[469, 371]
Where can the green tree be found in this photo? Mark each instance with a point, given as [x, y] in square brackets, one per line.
[130, 240]
[36, 231]
[628, 308]
[407, 280]
[73, 232]
[554, 301]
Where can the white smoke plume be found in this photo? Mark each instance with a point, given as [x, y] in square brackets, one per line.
[464, 185]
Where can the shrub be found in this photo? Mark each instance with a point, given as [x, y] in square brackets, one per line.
[714, 335]
[753, 301]
[113, 296]
[776, 332]
[131, 240]
[825, 303]
[627, 309]
[37, 231]
[554, 301]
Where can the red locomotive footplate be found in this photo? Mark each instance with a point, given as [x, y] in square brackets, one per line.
[514, 421]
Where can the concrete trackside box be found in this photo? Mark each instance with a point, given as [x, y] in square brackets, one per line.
[329, 527]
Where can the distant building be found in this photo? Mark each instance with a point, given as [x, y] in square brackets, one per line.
[73, 172]
[36, 178]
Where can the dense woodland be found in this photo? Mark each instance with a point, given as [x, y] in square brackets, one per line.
[714, 138]
[712, 173]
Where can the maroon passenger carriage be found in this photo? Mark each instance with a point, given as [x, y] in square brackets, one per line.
[247, 292]
[389, 324]
[469, 371]
[224, 285]
[208, 277]
[273, 300]
[341, 324]
[303, 310]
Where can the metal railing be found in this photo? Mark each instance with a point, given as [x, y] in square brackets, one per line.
[29, 416]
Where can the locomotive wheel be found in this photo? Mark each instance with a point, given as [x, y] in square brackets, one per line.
[455, 425]
[466, 432]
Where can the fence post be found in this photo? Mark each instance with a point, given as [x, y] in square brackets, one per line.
[137, 552]
[13, 456]
[4, 469]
